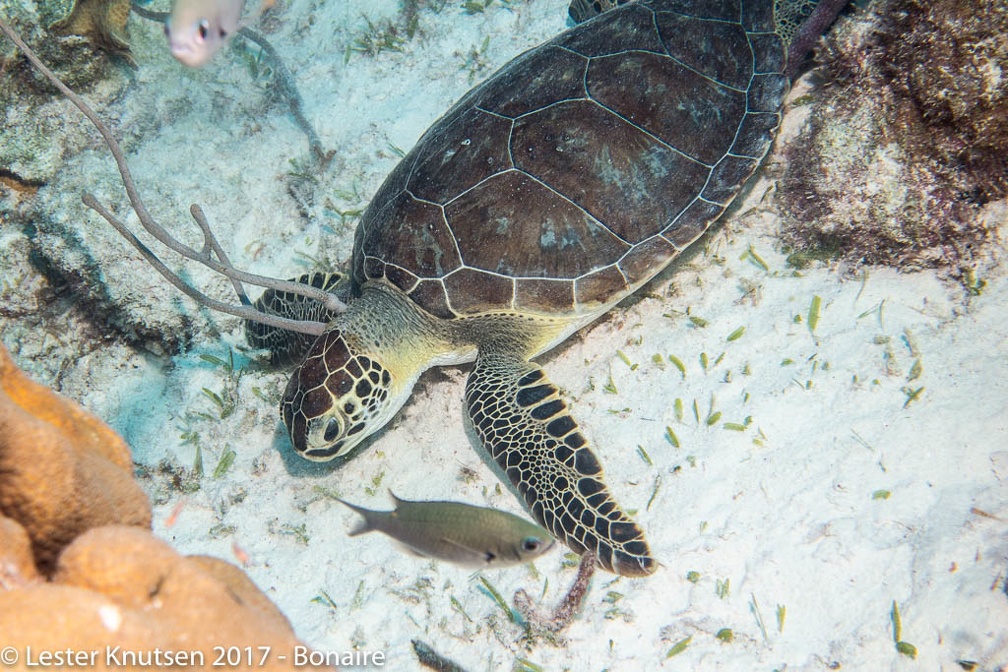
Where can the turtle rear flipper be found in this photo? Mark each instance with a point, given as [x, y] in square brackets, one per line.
[525, 426]
[582, 10]
[287, 347]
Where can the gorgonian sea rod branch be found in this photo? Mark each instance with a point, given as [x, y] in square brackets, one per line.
[212, 255]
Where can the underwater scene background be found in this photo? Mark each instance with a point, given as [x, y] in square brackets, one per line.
[808, 414]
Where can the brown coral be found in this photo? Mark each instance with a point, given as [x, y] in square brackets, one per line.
[62, 470]
[116, 596]
[119, 591]
[17, 566]
[909, 143]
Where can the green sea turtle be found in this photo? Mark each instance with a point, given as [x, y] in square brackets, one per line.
[541, 199]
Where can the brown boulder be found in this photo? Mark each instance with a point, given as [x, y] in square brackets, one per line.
[62, 470]
[119, 586]
[116, 596]
[17, 566]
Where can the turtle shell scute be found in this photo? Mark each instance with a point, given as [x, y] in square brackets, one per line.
[583, 167]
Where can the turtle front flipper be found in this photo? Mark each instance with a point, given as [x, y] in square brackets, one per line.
[286, 346]
[524, 424]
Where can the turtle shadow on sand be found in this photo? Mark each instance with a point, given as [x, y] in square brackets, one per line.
[298, 467]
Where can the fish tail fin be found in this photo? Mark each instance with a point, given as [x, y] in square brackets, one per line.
[363, 526]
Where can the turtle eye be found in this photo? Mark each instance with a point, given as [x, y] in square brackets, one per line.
[203, 27]
[332, 429]
[530, 544]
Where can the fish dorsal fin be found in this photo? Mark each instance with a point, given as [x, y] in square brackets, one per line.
[396, 500]
[360, 528]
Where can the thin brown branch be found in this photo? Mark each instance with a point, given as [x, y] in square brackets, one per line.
[551, 627]
[210, 243]
[205, 257]
[246, 312]
[290, 91]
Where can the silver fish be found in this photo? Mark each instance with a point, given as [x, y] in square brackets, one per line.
[197, 29]
[460, 533]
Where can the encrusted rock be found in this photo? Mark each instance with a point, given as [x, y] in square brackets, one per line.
[906, 148]
[80, 571]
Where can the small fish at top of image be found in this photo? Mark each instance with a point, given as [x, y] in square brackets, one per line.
[197, 29]
[467, 535]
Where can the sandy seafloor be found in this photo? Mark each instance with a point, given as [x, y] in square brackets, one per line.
[778, 505]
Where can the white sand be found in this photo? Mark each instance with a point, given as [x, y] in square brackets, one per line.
[787, 514]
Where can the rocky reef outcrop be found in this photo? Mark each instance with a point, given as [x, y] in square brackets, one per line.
[903, 160]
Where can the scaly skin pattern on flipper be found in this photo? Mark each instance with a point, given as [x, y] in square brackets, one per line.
[525, 426]
[286, 347]
[582, 10]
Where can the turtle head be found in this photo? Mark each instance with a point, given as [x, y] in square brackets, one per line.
[339, 395]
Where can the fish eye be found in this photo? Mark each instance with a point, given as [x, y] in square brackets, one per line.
[204, 28]
[332, 429]
[530, 544]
